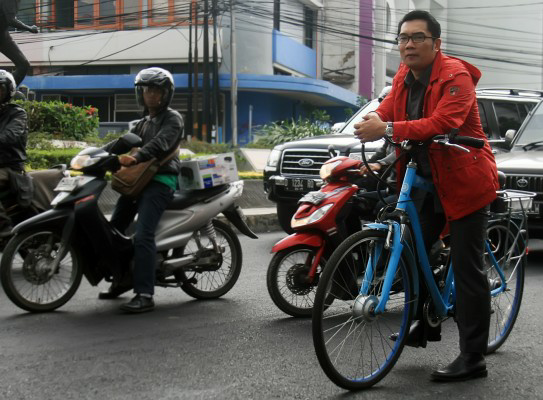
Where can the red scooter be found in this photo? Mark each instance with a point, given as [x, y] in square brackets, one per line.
[323, 220]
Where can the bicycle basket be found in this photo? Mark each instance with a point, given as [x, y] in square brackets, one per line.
[512, 201]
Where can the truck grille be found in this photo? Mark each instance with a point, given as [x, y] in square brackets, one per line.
[524, 182]
[292, 163]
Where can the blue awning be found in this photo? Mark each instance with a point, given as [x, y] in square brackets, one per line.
[314, 91]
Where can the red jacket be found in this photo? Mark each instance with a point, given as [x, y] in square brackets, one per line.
[465, 182]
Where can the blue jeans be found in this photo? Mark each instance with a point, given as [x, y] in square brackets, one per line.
[149, 207]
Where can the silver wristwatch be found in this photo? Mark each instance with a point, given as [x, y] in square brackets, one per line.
[389, 131]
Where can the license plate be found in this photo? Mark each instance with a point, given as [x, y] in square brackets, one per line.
[301, 185]
[67, 184]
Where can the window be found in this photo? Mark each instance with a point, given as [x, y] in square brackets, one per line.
[276, 14]
[64, 10]
[508, 116]
[484, 121]
[309, 27]
[27, 12]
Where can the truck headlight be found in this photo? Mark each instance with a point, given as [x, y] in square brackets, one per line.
[273, 158]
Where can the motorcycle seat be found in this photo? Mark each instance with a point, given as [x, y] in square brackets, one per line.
[186, 198]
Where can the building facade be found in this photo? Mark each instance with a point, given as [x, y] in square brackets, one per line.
[88, 52]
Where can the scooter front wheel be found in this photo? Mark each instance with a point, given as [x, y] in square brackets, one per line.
[288, 280]
[219, 276]
[30, 275]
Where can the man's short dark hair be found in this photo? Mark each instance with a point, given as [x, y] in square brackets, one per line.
[433, 25]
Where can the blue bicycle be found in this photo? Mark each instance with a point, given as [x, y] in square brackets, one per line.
[369, 288]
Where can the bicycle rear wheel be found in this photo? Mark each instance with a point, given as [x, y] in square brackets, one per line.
[353, 343]
[508, 246]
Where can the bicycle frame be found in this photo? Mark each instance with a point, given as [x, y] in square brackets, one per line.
[443, 300]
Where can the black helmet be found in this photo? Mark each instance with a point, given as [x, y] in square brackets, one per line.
[155, 77]
[8, 81]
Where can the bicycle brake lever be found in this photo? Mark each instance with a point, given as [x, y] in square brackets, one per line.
[457, 146]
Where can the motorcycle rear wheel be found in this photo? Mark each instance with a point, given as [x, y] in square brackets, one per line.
[27, 276]
[214, 284]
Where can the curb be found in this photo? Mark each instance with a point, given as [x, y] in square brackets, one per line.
[259, 220]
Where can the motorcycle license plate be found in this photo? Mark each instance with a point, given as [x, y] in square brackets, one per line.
[67, 184]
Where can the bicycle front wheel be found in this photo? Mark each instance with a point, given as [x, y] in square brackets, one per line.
[352, 342]
[508, 248]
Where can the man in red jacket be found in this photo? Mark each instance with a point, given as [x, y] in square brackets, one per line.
[433, 94]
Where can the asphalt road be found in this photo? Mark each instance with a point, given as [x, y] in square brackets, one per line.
[238, 347]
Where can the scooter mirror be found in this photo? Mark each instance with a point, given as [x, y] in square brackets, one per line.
[125, 143]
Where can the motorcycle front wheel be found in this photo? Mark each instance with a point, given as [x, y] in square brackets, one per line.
[213, 281]
[288, 280]
[29, 276]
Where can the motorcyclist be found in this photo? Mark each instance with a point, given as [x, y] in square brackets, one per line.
[13, 136]
[161, 130]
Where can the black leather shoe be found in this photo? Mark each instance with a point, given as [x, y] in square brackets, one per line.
[415, 337]
[114, 291]
[139, 304]
[466, 366]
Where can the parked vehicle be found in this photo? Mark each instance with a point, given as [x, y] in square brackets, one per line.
[293, 168]
[43, 264]
[523, 165]
[44, 183]
[324, 219]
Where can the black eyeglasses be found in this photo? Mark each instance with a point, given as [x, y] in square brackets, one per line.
[418, 37]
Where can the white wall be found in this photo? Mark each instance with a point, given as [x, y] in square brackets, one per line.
[340, 51]
[74, 48]
[499, 31]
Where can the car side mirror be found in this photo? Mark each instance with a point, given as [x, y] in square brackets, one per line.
[509, 136]
[125, 143]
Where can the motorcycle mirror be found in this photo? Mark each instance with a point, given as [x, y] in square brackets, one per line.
[125, 143]
[332, 151]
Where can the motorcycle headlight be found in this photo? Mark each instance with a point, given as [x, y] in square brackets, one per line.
[273, 158]
[327, 169]
[82, 161]
[314, 217]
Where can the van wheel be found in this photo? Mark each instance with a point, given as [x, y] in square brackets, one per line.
[285, 211]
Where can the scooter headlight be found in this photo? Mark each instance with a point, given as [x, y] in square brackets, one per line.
[314, 217]
[327, 169]
[82, 161]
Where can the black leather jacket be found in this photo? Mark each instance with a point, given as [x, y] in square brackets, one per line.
[161, 135]
[13, 136]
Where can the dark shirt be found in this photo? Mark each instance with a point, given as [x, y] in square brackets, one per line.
[415, 110]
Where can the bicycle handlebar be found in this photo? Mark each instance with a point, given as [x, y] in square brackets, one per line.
[467, 141]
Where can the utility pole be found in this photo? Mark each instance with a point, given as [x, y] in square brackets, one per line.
[216, 92]
[189, 127]
[206, 102]
[233, 76]
[196, 62]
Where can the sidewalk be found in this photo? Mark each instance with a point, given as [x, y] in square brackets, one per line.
[260, 212]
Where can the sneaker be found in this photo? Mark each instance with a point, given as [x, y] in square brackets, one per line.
[139, 304]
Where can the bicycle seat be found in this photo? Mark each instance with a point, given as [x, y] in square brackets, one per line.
[186, 198]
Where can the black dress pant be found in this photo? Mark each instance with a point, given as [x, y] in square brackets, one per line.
[9, 48]
[467, 238]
